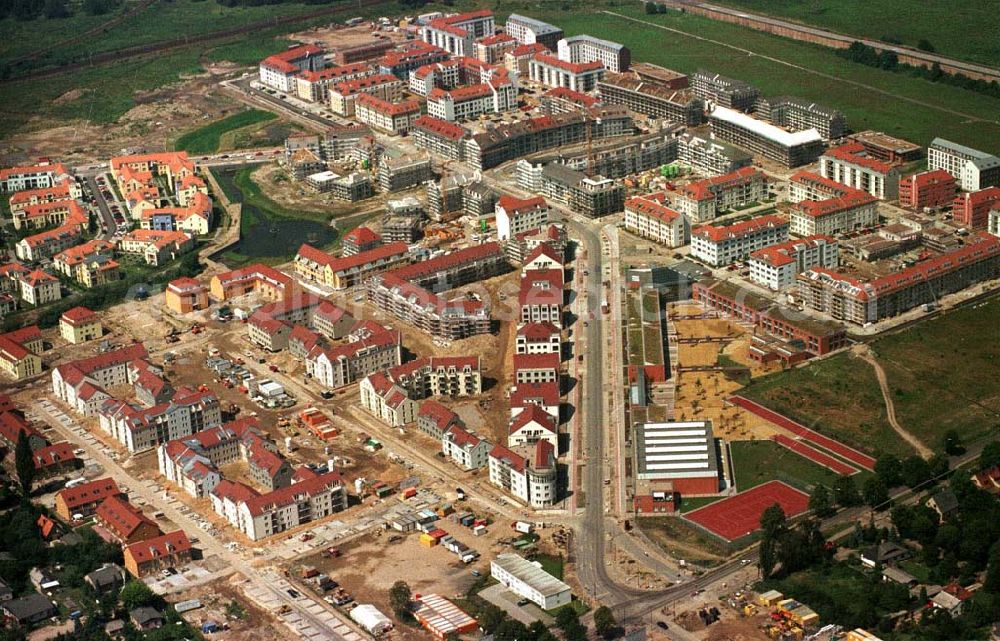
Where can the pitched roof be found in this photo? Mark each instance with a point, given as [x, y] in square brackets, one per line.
[362, 236]
[717, 234]
[538, 331]
[533, 414]
[87, 493]
[293, 493]
[438, 413]
[524, 394]
[79, 315]
[53, 455]
[121, 517]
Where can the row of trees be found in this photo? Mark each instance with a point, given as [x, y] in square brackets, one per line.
[793, 548]
[888, 60]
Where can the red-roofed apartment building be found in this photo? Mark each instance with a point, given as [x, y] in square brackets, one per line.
[723, 245]
[266, 282]
[651, 217]
[434, 419]
[84, 499]
[440, 137]
[527, 472]
[280, 70]
[186, 295]
[703, 200]
[852, 165]
[359, 239]
[972, 209]
[146, 557]
[387, 401]
[395, 118]
[517, 215]
[41, 176]
[457, 33]
[776, 267]
[538, 338]
[466, 449]
[79, 325]
[552, 72]
[55, 459]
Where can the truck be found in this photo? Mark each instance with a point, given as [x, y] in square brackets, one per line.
[523, 527]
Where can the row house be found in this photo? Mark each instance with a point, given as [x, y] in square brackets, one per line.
[543, 395]
[650, 217]
[74, 220]
[125, 522]
[776, 267]
[718, 246]
[651, 99]
[81, 501]
[270, 325]
[19, 353]
[527, 472]
[536, 368]
[193, 461]
[703, 200]
[69, 261]
[63, 189]
[532, 425]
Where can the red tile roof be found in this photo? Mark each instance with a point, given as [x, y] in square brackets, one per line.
[577, 97]
[513, 205]
[389, 108]
[53, 455]
[784, 253]
[528, 50]
[79, 315]
[361, 236]
[703, 189]
[536, 361]
[159, 547]
[571, 67]
[533, 414]
[830, 206]
[87, 493]
[515, 460]
[854, 152]
[287, 495]
[718, 234]
[440, 127]
[538, 331]
[437, 412]
[649, 207]
[449, 261]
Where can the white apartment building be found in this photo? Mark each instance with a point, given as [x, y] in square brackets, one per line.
[855, 210]
[553, 72]
[527, 472]
[538, 338]
[466, 449]
[471, 101]
[529, 31]
[993, 226]
[387, 401]
[973, 169]
[390, 117]
[613, 56]
[527, 579]
[143, 429]
[649, 217]
[344, 364]
[776, 267]
[517, 215]
[719, 246]
[280, 70]
[850, 165]
[458, 33]
[532, 425]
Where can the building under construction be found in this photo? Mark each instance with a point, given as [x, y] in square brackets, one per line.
[590, 196]
[395, 174]
[798, 114]
[618, 158]
[458, 194]
[712, 157]
[651, 99]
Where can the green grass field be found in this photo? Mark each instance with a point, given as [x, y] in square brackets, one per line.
[206, 139]
[865, 109]
[163, 21]
[940, 371]
[950, 25]
[757, 462]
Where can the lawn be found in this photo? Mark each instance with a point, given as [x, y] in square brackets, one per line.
[949, 25]
[838, 396]
[940, 372]
[863, 108]
[164, 21]
[757, 462]
[206, 139]
[683, 540]
[551, 564]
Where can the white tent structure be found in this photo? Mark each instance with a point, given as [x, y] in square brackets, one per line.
[368, 617]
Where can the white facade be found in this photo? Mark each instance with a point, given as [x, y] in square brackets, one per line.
[968, 166]
[994, 222]
[391, 406]
[516, 217]
[718, 246]
[464, 103]
[777, 266]
[529, 580]
[653, 220]
[467, 450]
[552, 72]
[584, 49]
[833, 216]
[527, 30]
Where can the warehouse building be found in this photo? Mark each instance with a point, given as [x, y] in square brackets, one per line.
[674, 458]
[527, 579]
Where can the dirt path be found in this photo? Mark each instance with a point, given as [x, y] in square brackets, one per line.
[864, 352]
[870, 88]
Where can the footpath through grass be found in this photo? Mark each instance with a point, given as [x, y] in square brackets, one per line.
[206, 139]
[942, 373]
[949, 25]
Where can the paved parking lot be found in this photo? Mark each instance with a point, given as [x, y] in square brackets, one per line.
[506, 600]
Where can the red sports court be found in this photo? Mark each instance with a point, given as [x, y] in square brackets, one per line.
[739, 515]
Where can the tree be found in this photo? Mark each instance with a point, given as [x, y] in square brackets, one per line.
[399, 599]
[925, 45]
[575, 632]
[772, 521]
[953, 443]
[136, 594]
[991, 583]
[767, 557]
[24, 463]
[845, 492]
[490, 618]
[55, 9]
[820, 502]
[566, 617]
[604, 622]
[511, 630]
[650, 8]
[875, 492]
[915, 471]
[890, 469]
[990, 456]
